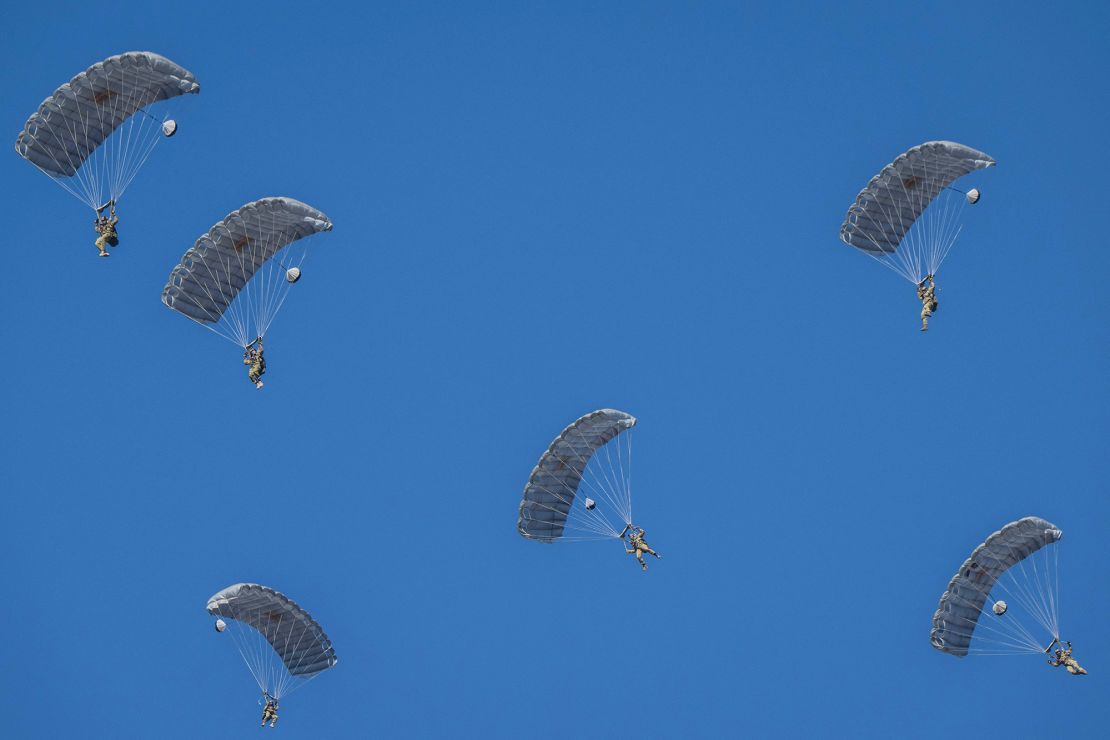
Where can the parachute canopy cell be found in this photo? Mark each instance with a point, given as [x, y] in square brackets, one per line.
[221, 262]
[298, 640]
[81, 114]
[550, 491]
[896, 197]
[958, 612]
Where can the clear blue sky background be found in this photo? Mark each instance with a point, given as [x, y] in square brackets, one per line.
[541, 209]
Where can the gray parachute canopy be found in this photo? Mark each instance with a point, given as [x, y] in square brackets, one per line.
[551, 488]
[896, 197]
[220, 263]
[294, 635]
[960, 606]
[81, 114]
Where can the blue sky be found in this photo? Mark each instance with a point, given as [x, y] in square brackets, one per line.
[541, 209]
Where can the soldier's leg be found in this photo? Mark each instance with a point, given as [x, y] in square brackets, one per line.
[640, 557]
[100, 242]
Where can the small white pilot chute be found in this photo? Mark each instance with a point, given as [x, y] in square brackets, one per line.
[1000, 607]
[169, 127]
[972, 196]
[220, 625]
[293, 274]
[590, 504]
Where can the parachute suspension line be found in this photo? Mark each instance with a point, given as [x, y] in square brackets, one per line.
[81, 174]
[624, 485]
[929, 239]
[291, 683]
[262, 660]
[260, 247]
[909, 248]
[629, 475]
[615, 480]
[1013, 638]
[249, 315]
[247, 650]
[910, 255]
[626, 478]
[606, 476]
[1056, 585]
[115, 147]
[111, 167]
[275, 288]
[236, 310]
[1035, 596]
[136, 149]
[948, 228]
[127, 154]
[217, 326]
[263, 652]
[597, 477]
[610, 482]
[590, 521]
[596, 474]
[1009, 637]
[282, 284]
[1034, 591]
[589, 477]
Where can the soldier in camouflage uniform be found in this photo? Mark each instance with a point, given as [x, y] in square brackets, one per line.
[928, 296]
[106, 228]
[638, 544]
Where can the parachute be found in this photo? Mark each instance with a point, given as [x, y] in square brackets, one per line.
[235, 278]
[1021, 561]
[908, 216]
[280, 642]
[581, 458]
[94, 133]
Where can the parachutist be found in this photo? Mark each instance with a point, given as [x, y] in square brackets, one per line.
[105, 227]
[269, 712]
[638, 543]
[252, 356]
[928, 296]
[1063, 658]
